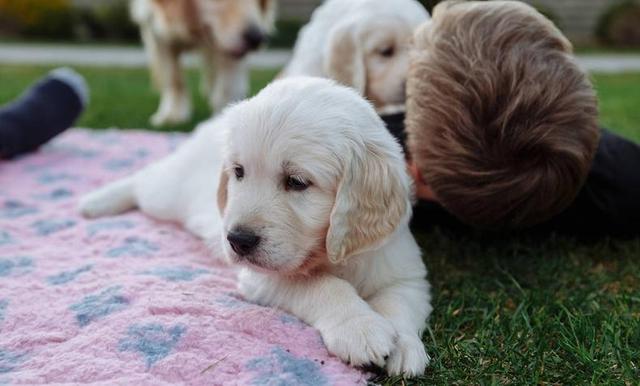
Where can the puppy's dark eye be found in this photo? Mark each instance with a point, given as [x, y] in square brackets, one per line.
[239, 172]
[387, 52]
[296, 183]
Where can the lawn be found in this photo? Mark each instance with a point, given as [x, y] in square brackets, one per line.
[119, 97]
[517, 311]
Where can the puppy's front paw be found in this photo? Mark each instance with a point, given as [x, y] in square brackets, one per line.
[361, 340]
[408, 358]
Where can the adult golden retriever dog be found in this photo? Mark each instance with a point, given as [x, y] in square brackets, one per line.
[307, 192]
[224, 31]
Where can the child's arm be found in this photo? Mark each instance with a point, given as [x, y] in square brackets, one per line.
[609, 202]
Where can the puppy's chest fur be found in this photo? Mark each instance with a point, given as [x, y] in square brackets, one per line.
[398, 259]
[368, 272]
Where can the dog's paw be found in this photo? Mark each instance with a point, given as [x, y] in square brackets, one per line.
[90, 206]
[408, 358]
[96, 204]
[162, 118]
[172, 110]
[114, 198]
[361, 340]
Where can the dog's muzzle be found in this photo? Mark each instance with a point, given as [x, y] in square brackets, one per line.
[253, 37]
[242, 241]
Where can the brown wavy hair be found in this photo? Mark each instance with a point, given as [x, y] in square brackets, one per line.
[501, 121]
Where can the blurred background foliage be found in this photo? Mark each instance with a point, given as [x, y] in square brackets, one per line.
[616, 22]
[63, 20]
[620, 25]
[36, 18]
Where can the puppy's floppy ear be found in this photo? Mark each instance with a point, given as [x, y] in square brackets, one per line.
[344, 57]
[222, 191]
[372, 200]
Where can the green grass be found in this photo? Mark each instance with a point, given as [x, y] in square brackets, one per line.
[532, 312]
[518, 311]
[619, 97]
[119, 97]
[603, 49]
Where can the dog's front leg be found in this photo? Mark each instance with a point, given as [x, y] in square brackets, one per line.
[208, 75]
[231, 81]
[175, 104]
[406, 304]
[349, 327]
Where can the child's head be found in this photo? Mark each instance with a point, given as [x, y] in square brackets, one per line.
[501, 121]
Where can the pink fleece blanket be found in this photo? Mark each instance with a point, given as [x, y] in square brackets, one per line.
[129, 300]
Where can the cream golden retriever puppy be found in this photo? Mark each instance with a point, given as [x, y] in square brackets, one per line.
[313, 203]
[223, 30]
[360, 43]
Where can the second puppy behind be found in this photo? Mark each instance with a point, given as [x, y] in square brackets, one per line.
[363, 44]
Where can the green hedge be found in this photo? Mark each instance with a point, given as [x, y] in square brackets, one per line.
[37, 18]
[107, 22]
[620, 25]
[58, 20]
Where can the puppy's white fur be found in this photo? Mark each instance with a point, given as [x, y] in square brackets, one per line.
[338, 254]
[360, 43]
[217, 29]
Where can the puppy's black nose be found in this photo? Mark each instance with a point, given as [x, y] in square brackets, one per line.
[243, 242]
[253, 37]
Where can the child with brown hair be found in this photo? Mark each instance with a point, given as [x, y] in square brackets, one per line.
[502, 127]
